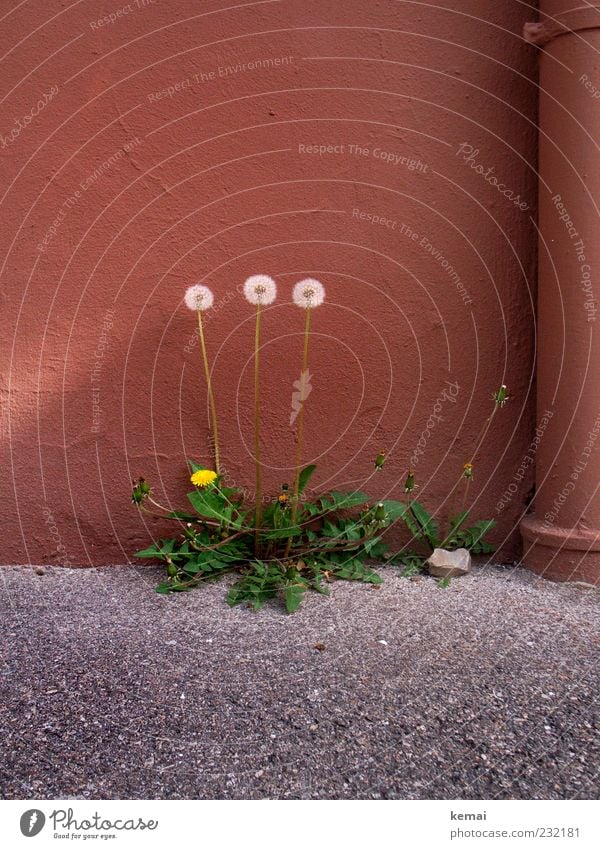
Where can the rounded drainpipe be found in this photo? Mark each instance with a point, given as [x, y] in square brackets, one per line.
[562, 538]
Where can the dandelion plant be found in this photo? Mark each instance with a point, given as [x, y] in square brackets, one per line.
[293, 543]
[200, 298]
[259, 290]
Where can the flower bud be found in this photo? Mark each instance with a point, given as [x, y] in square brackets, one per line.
[409, 483]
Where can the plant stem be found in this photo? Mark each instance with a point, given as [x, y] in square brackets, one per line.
[296, 494]
[452, 512]
[482, 432]
[466, 492]
[144, 509]
[211, 397]
[156, 504]
[301, 416]
[257, 464]
[480, 436]
[452, 507]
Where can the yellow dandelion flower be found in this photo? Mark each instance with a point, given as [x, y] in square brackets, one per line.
[203, 477]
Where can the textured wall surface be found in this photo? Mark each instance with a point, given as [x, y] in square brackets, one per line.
[386, 148]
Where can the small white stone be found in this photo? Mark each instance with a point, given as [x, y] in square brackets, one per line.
[449, 564]
[383, 642]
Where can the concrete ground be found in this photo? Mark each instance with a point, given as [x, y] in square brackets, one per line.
[486, 689]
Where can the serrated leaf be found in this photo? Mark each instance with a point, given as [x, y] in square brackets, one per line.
[318, 586]
[426, 523]
[458, 521]
[305, 476]
[354, 570]
[395, 509]
[211, 505]
[330, 530]
[378, 550]
[348, 499]
[293, 596]
[152, 551]
[195, 467]
[229, 492]
[398, 510]
[473, 538]
[370, 546]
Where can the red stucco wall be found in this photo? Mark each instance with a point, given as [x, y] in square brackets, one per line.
[145, 167]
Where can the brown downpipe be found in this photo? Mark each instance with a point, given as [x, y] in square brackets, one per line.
[562, 539]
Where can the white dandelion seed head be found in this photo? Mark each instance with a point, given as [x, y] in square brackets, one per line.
[199, 297]
[260, 289]
[308, 293]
